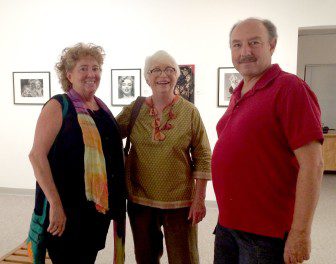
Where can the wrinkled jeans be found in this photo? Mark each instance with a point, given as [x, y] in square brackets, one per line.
[238, 247]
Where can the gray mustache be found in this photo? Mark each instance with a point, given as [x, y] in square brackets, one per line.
[247, 59]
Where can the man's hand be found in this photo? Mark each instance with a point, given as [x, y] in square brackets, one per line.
[298, 244]
[297, 247]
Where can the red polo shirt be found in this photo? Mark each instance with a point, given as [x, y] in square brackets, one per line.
[253, 164]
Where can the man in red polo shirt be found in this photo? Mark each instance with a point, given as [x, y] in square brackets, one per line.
[267, 163]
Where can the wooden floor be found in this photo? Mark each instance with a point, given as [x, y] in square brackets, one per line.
[19, 255]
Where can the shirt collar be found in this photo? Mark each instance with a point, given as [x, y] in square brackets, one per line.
[270, 74]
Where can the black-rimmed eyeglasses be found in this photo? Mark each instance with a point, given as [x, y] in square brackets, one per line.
[157, 71]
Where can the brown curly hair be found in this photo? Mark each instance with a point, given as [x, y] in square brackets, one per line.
[71, 55]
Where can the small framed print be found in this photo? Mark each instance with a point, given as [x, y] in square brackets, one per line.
[185, 85]
[126, 86]
[228, 80]
[31, 87]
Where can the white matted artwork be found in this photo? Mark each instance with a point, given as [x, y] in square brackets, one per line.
[228, 80]
[126, 86]
[31, 87]
[321, 79]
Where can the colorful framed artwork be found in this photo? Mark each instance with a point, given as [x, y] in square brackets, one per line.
[126, 86]
[31, 88]
[228, 80]
[185, 85]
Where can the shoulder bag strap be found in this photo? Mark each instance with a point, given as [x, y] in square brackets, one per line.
[134, 114]
[65, 105]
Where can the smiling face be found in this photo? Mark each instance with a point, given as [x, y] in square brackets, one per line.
[35, 84]
[251, 48]
[162, 78]
[127, 87]
[85, 76]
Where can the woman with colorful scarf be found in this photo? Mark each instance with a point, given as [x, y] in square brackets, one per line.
[78, 163]
[167, 169]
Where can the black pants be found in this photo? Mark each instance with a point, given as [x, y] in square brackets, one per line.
[72, 255]
[84, 235]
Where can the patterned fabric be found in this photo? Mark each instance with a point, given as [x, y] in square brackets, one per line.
[36, 241]
[96, 188]
[162, 173]
[94, 161]
[159, 128]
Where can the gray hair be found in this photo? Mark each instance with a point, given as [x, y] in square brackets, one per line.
[270, 27]
[162, 57]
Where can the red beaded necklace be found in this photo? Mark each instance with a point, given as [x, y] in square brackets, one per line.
[156, 124]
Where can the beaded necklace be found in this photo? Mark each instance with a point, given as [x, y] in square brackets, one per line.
[156, 124]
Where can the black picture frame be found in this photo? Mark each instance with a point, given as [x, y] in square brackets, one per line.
[228, 80]
[31, 88]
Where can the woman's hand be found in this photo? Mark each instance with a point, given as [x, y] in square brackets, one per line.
[57, 219]
[197, 211]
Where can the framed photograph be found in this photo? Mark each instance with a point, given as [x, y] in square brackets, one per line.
[126, 86]
[228, 80]
[31, 87]
[185, 85]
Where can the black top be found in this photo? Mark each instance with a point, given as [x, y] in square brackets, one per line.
[66, 158]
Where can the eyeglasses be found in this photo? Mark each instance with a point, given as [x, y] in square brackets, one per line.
[157, 71]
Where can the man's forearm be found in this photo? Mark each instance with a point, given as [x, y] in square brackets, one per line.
[307, 194]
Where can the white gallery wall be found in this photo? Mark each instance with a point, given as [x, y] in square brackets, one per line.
[33, 34]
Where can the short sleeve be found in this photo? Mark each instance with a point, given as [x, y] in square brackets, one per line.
[299, 113]
[123, 119]
[200, 148]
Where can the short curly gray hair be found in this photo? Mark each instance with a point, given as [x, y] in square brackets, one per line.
[163, 57]
[71, 55]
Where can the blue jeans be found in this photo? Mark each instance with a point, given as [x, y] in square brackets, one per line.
[238, 247]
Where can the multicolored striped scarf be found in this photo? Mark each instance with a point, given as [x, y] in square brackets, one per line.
[96, 189]
[95, 186]
[94, 162]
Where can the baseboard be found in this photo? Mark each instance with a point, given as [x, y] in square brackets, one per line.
[16, 191]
